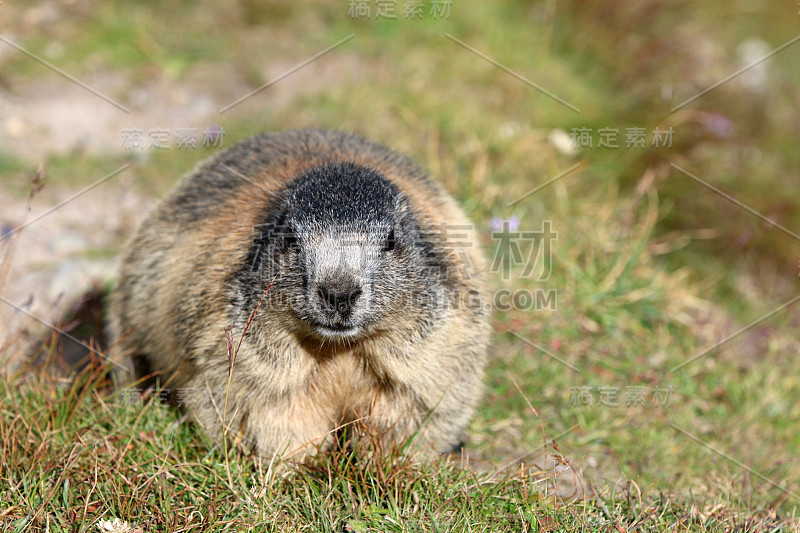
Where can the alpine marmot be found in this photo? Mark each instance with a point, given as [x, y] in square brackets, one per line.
[356, 277]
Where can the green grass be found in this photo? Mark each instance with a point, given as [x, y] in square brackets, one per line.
[650, 268]
[75, 453]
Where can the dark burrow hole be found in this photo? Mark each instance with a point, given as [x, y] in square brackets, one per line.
[77, 340]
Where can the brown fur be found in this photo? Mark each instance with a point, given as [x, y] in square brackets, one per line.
[415, 371]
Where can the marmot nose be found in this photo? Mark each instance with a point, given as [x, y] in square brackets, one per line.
[337, 301]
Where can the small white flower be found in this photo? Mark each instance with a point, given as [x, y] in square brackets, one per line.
[114, 526]
[562, 142]
[752, 56]
[508, 130]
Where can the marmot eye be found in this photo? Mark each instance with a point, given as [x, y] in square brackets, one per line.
[391, 242]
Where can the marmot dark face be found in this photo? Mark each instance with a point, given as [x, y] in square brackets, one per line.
[349, 243]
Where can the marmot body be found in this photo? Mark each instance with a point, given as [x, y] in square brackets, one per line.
[377, 313]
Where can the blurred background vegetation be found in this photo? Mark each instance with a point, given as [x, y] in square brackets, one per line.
[651, 266]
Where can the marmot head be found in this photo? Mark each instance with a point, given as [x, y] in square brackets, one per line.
[346, 252]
